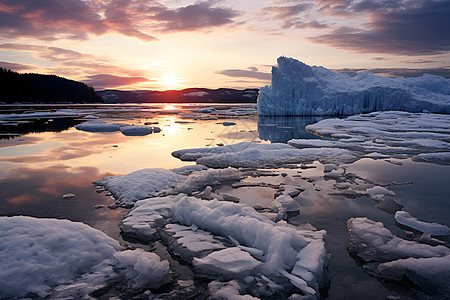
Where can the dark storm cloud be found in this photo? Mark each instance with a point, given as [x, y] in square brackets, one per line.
[49, 19]
[102, 81]
[250, 73]
[76, 19]
[394, 27]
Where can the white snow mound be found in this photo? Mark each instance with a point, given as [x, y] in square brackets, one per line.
[50, 257]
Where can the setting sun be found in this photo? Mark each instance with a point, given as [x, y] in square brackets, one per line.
[170, 82]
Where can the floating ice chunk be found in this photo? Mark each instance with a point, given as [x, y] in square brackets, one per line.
[379, 190]
[99, 126]
[227, 290]
[430, 274]
[43, 258]
[90, 117]
[136, 130]
[207, 110]
[188, 242]
[284, 204]
[371, 241]
[145, 269]
[147, 218]
[186, 170]
[68, 195]
[41, 115]
[406, 219]
[227, 263]
[279, 244]
[201, 179]
[129, 188]
[299, 89]
[228, 123]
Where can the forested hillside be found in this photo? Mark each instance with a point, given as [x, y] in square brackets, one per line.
[37, 88]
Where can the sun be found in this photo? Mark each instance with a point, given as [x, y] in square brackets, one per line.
[170, 81]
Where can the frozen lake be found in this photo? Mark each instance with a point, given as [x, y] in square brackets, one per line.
[45, 159]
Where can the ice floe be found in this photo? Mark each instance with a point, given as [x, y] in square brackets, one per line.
[404, 218]
[299, 89]
[99, 126]
[136, 130]
[247, 154]
[145, 183]
[390, 257]
[226, 241]
[60, 258]
[424, 137]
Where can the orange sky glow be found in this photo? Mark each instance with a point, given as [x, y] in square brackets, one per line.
[175, 44]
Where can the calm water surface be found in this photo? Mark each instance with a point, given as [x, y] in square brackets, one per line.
[51, 158]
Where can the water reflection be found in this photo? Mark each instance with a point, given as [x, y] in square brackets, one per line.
[283, 129]
[36, 125]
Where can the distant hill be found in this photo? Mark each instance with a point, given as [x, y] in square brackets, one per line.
[38, 88]
[191, 95]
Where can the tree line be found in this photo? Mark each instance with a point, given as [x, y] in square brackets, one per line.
[38, 88]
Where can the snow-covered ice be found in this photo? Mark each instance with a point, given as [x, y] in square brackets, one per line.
[227, 241]
[388, 256]
[99, 126]
[140, 184]
[145, 183]
[371, 241]
[247, 154]
[424, 137]
[299, 89]
[60, 258]
[404, 218]
[136, 130]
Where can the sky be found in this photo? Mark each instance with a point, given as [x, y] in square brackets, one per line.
[176, 44]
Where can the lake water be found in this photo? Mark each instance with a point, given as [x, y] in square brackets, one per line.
[43, 159]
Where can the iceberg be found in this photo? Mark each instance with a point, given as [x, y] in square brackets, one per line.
[301, 90]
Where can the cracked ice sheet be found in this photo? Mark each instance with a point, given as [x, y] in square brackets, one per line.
[267, 248]
[425, 137]
[60, 258]
[258, 155]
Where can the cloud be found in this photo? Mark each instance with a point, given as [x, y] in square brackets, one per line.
[293, 15]
[395, 27]
[250, 73]
[77, 19]
[398, 72]
[193, 17]
[102, 81]
[15, 66]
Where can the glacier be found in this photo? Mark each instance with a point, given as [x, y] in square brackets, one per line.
[301, 90]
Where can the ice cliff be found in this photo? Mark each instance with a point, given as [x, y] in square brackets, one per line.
[299, 89]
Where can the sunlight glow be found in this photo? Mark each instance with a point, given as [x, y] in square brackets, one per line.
[170, 81]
